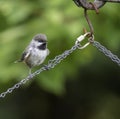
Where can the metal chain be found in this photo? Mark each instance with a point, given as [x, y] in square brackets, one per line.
[23, 81]
[51, 64]
[106, 52]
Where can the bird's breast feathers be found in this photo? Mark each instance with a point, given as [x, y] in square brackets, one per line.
[38, 56]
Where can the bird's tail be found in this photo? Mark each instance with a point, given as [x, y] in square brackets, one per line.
[17, 61]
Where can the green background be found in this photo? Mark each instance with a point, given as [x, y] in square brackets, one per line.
[86, 85]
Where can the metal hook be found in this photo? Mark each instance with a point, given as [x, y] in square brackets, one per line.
[95, 7]
[88, 21]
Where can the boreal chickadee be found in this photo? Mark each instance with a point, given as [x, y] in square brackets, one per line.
[36, 52]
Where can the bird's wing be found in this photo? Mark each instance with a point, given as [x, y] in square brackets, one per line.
[24, 56]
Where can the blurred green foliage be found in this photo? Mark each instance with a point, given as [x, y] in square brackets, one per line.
[21, 20]
[62, 21]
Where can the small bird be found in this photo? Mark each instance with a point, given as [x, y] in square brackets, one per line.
[36, 52]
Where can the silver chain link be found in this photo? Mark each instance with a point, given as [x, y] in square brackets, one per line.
[106, 52]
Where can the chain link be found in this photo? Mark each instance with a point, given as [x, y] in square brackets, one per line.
[59, 58]
[106, 52]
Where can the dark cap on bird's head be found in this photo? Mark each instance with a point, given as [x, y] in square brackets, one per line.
[40, 38]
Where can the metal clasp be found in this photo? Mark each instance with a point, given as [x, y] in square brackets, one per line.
[82, 37]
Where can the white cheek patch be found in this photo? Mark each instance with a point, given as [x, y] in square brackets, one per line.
[39, 43]
[35, 44]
